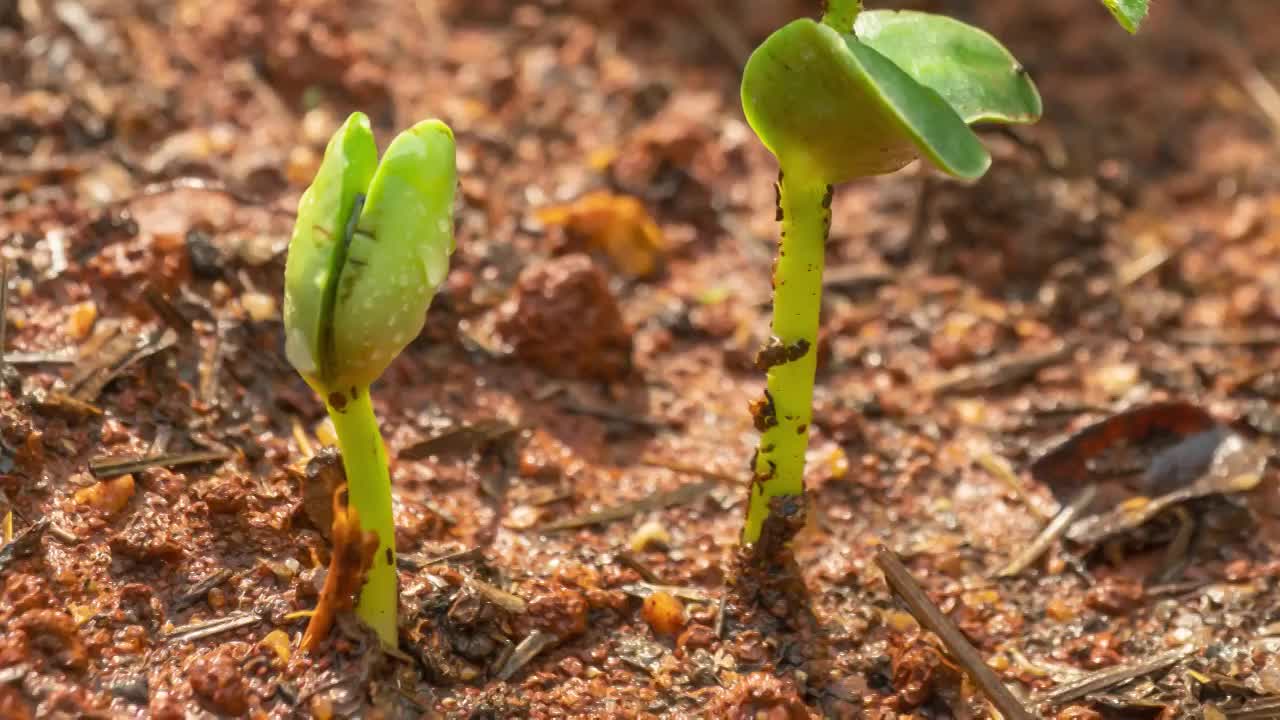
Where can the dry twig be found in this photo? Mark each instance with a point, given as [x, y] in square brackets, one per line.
[1111, 677]
[932, 619]
[1051, 533]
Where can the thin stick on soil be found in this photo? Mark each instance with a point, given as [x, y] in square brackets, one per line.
[331, 684]
[1111, 677]
[1001, 371]
[628, 559]
[66, 536]
[999, 467]
[197, 631]
[510, 602]
[198, 184]
[682, 495]
[1175, 556]
[645, 589]
[57, 357]
[1261, 709]
[932, 619]
[167, 311]
[601, 413]
[689, 469]
[201, 588]
[529, 648]
[1051, 533]
[92, 383]
[111, 467]
[101, 356]
[13, 673]
[417, 562]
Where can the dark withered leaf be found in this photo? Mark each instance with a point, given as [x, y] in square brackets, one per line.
[1078, 459]
[1218, 461]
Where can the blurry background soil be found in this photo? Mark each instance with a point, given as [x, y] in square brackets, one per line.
[598, 357]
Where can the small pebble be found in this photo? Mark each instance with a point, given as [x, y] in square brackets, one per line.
[81, 613]
[303, 163]
[168, 241]
[696, 636]
[258, 250]
[522, 517]
[220, 292]
[900, 621]
[222, 138]
[317, 125]
[260, 307]
[563, 318]
[325, 433]
[206, 259]
[1114, 380]
[1060, 610]
[218, 683]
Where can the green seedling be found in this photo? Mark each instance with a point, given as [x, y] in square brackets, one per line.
[369, 249]
[855, 95]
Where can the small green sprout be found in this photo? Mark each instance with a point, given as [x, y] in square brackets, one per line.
[369, 249]
[855, 95]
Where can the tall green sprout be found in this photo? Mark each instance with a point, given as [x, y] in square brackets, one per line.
[857, 94]
[369, 249]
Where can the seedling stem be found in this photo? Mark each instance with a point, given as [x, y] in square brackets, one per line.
[369, 489]
[803, 204]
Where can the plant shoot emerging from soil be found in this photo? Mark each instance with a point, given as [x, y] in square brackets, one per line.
[369, 249]
[855, 95]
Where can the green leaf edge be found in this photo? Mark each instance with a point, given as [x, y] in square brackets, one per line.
[873, 27]
[855, 57]
[408, 232]
[349, 162]
[918, 107]
[1128, 17]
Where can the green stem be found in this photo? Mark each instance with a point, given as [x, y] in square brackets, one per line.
[369, 492]
[784, 416]
[840, 14]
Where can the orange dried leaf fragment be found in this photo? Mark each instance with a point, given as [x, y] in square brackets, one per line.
[277, 641]
[664, 613]
[109, 496]
[353, 551]
[617, 224]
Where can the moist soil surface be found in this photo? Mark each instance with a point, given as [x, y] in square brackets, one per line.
[570, 434]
